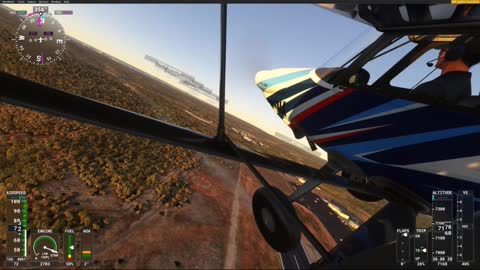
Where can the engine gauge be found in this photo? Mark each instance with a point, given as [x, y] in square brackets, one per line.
[45, 247]
[40, 39]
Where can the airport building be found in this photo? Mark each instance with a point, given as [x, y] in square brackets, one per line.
[345, 216]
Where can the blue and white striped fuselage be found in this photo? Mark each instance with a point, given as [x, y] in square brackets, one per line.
[420, 146]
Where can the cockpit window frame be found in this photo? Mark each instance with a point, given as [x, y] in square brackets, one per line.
[382, 85]
[402, 64]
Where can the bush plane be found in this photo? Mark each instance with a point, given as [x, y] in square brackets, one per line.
[380, 135]
[382, 141]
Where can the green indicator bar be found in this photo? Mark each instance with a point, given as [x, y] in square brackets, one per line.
[69, 240]
[24, 225]
[21, 12]
[25, 243]
[86, 256]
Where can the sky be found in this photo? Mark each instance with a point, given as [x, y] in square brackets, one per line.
[187, 36]
[278, 36]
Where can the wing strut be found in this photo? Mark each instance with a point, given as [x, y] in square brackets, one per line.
[311, 183]
[223, 47]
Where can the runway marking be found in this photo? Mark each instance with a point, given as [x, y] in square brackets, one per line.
[298, 266]
[306, 255]
[281, 260]
[231, 254]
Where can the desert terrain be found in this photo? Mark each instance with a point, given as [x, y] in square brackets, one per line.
[150, 205]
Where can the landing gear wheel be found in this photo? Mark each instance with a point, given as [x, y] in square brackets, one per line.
[280, 231]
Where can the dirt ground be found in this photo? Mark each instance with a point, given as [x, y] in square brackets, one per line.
[194, 236]
[204, 234]
[216, 230]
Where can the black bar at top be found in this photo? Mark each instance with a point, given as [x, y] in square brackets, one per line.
[225, 1]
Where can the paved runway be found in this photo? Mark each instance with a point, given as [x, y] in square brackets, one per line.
[295, 259]
[330, 220]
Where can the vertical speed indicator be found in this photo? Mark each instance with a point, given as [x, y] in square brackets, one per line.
[40, 39]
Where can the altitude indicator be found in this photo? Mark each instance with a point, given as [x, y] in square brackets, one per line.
[442, 227]
[40, 39]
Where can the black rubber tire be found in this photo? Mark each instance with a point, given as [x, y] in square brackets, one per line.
[283, 234]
